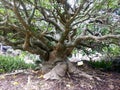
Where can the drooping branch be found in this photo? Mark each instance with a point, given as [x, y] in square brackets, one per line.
[96, 39]
[4, 28]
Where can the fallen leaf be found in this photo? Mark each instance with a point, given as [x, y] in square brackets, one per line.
[15, 83]
[41, 76]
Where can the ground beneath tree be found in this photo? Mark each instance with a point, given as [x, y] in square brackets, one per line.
[33, 80]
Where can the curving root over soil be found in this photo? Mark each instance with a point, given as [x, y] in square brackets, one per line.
[83, 78]
[63, 68]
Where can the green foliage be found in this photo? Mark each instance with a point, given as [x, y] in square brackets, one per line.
[104, 65]
[112, 50]
[9, 64]
[46, 4]
[2, 10]
[113, 3]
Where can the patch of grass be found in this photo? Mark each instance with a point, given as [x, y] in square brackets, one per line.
[9, 64]
[104, 65]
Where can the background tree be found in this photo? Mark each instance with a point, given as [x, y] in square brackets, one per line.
[53, 28]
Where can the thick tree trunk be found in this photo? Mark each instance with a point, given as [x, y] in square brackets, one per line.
[61, 68]
[58, 65]
[58, 71]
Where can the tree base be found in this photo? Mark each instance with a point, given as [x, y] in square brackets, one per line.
[64, 68]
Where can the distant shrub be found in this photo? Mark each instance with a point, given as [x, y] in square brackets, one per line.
[9, 64]
[103, 65]
[116, 64]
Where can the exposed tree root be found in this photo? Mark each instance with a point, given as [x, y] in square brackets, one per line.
[16, 72]
[62, 68]
[57, 72]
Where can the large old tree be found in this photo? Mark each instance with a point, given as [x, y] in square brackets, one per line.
[53, 28]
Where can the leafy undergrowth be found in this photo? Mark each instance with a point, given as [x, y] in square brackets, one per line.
[10, 64]
[105, 65]
[112, 65]
[33, 80]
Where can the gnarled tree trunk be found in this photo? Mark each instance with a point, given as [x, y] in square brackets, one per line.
[58, 65]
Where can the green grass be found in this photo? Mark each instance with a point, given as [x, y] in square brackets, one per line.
[9, 64]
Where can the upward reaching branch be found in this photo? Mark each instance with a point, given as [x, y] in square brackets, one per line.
[15, 9]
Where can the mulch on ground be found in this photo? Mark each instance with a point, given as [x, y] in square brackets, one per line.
[33, 80]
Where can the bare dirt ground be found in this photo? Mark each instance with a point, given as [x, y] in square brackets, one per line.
[33, 80]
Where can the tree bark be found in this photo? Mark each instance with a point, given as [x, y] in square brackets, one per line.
[59, 66]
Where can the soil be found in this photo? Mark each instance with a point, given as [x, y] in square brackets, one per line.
[33, 80]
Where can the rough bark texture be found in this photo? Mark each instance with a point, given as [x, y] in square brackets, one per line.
[57, 72]
[60, 68]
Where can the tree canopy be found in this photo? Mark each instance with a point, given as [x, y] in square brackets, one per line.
[43, 26]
